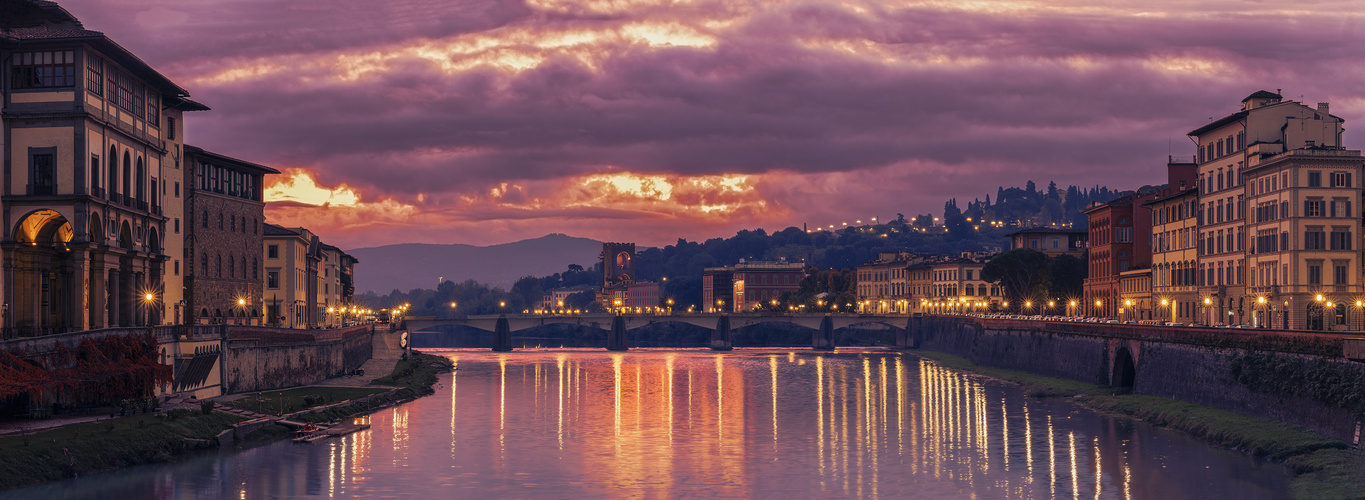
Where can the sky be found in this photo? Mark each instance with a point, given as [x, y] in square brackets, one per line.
[486, 121]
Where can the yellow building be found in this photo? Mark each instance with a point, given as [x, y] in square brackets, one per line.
[1174, 258]
[1278, 226]
[883, 284]
[92, 142]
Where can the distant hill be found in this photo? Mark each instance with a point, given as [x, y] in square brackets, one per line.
[418, 265]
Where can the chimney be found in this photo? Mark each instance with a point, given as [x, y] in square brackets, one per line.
[1322, 108]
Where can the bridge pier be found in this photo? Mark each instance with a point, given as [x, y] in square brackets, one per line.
[502, 335]
[823, 339]
[909, 339]
[616, 338]
[720, 337]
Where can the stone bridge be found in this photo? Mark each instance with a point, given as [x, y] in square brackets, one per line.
[721, 325]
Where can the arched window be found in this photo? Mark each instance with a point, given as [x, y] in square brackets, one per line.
[141, 181]
[127, 176]
[220, 266]
[95, 174]
[113, 171]
[244, 267]
[220, 220]
[231, 273]
[204, 216]
[204, 264]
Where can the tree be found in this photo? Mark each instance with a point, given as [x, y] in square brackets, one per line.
[1022, 272]
[924, 220]
[1067, 276]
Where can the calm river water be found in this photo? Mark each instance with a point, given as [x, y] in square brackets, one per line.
[698, 424]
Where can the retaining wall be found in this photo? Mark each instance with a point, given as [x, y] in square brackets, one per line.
[1190, 365]
[261, 359]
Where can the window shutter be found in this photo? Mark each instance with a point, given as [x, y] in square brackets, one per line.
[1306, 210]
[1348, 180]
[1333, 209]
[1348, 213]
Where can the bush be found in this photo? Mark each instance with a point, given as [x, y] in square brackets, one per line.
[206, 406]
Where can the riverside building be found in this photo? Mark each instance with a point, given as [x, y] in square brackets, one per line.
[1279, 219]
[92, 143]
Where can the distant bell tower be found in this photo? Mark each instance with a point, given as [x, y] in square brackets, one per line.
[618, 264]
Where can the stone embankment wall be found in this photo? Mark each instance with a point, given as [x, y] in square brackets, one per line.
[261, 359]
[1296, 377]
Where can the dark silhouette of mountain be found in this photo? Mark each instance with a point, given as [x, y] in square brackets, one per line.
[419, 265]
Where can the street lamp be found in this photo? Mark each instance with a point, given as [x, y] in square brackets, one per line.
[149, 300]
[1166, 304]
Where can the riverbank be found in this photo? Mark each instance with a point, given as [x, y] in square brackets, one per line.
[1323, 467]
[86, 448]
[81, 449]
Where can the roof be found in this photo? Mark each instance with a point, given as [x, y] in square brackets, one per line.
[198, 151]
[1174, 195]
[1046, 230]
[37, 20]
[273, 230]
[1262, 94]
[1122, 201]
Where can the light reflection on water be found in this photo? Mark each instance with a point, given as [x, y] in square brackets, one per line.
[749, 423]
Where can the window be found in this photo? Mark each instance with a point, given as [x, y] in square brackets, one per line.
[1313, 208]
[177, 225]
[1314, 239]
[1315, 274]
[204, 264]
[272, 279]
[272, 252]
[95, 175]
[94, 74]
[43, 170]
[1339, 275]
[1341, 179]
[1341, 240]
[170, 128]
[153, 109]
[42, 70]
[177, 267]
[1123, 235]
[204, 218]
[220, 220]
[177, 189]
[1314, 179]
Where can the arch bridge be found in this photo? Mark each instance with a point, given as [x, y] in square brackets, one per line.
[616, 326]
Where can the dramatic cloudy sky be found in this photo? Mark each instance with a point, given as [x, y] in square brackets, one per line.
[487, 121]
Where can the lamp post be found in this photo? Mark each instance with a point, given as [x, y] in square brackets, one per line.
[148, 301]
[1165, 305]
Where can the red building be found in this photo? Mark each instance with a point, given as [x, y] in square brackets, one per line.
[1120, 240]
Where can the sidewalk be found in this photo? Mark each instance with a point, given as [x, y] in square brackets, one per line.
[381, 363]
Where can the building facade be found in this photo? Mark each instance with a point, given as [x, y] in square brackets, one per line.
[91, 138]
[1052, 242]
[1277, 194]
[883, 285]
[291, 267]
[1175, 229]
[1120, 241]
[226, 212]
[750, 285]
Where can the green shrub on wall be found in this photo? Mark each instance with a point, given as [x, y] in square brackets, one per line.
[1332, 384]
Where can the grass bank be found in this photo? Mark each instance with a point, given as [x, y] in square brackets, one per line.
[82, 449]
[1324, 467]
[414, 377]
[286, 401]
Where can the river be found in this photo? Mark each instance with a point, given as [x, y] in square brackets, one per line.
[760, 423]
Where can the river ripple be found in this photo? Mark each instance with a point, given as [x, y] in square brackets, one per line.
[758, 423]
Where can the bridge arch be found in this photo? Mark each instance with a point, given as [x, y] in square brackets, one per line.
[1124, 369]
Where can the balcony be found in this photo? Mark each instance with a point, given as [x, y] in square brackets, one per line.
[97, 192]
